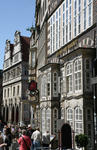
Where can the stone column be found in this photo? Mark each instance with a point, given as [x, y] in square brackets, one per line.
[5, 112]
[15, 114]
[10, 111]
[21, 112]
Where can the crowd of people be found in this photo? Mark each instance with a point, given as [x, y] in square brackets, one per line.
[26, 137]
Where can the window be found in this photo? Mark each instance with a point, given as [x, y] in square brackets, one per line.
[44, 86]
[89, 131]
[33, 59]
[13, 73]
[13, 91]
[63, 23]
[85, 14]
[75, 17]
[89, 114]
[43, 121]
[5, 93]
[18, 71]
[57, 30]
[78, 120]
[48, 89]
[48, 84]
[77, 75]
[55, 118]
[55, 83]
[51, 36]
[70, 116]
[18, 88]
[16, 58]
[69, 77]
[62, 113]
[87, 74]
[59, 27]
[8, 92]
[53, 33]
[48, 119]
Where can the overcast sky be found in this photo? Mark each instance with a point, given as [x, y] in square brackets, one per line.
[14, 15]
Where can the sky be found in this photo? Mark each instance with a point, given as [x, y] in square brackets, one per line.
[14, 15]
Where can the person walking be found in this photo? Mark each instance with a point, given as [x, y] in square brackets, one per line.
[36, 137]
[7, 138]
[24, 141]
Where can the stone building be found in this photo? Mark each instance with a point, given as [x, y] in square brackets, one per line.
[15, 80]
[1, 89]
[66, 37]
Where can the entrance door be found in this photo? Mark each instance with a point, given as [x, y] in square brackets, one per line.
[66, 138]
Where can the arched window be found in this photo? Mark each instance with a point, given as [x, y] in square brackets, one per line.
[77, 75]
[69, 77]
[70, 116]
[78, 120]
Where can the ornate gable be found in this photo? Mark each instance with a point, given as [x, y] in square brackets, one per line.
[17, 37]
[7, 47]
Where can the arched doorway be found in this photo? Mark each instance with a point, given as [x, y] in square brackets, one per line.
[17, 114]
[66, 136]
[12, 115]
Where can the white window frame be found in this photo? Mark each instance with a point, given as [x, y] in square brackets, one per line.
[78, 120]
[78, 75]
[70, 116]
[69, 77]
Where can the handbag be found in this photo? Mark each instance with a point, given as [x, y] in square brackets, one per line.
[28, 148]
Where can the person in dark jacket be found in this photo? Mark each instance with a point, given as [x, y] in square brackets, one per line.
[8, 138]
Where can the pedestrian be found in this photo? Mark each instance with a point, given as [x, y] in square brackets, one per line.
[2, 144]
[1, 141]
[46, 139]
[36, 137]
[24, 141]
[30, 130]
[8, 138]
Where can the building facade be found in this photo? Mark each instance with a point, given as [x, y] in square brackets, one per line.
[1, 89]
[66, 37]
[15, 80]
